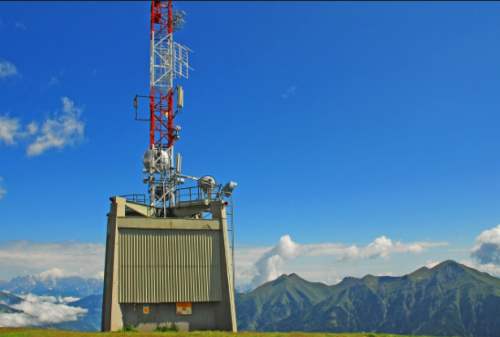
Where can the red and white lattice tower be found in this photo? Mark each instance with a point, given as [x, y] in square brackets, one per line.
[168, 62]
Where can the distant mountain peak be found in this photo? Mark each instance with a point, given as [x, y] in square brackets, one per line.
[348, 280]
[452, 269]
[448, 264]
[287, 278]
[293, 275]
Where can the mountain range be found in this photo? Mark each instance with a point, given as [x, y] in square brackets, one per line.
[449, 299]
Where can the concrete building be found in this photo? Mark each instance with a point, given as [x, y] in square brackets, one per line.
[168, 271]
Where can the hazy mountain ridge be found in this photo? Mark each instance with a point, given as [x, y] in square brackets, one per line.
[449, 299]
[74, 286]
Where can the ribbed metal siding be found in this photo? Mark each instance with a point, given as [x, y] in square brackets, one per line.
[158, 266]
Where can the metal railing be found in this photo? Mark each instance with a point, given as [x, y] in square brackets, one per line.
[185, 194]
[135, 197]
[195, 193]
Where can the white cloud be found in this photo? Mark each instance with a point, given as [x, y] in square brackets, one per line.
[9, 129]
[3, 191]
[383, 247]
[7, 69]
[60, 131]
[31, 128]
[380, 247]
[432, 263]
[290, 91]
[68, 299]
[51, 259]
[40, 310]
[52, 273]
[489, 268]
[487, 248]
[270, 264]
[245, 258]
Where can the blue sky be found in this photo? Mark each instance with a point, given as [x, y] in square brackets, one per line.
[341, 122]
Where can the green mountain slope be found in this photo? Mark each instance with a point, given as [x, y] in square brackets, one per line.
[277, 300]
[449, 299]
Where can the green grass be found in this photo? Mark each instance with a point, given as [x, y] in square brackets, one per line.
[22, 332]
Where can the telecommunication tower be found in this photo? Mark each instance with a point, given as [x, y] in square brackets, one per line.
[169, 257]
[169, 61]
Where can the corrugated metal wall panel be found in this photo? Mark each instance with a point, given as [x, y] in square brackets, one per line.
[158, 266]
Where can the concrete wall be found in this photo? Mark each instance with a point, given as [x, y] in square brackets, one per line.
[203, 317]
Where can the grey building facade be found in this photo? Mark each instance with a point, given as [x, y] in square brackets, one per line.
[168, 271]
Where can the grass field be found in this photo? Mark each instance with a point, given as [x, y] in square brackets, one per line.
[22, 332]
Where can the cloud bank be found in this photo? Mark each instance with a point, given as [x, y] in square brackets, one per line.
[41, 310]
[255, 265]
[326, 262]
[271, 263]
[51, 259]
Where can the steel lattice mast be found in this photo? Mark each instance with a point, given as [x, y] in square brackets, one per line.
[168, 61]
[161, 75]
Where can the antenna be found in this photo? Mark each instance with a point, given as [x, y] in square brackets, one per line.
[169, 61]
